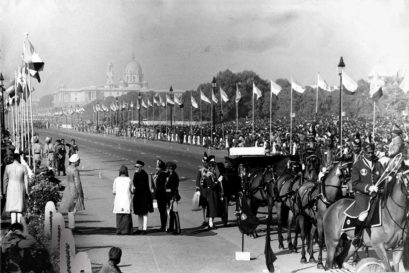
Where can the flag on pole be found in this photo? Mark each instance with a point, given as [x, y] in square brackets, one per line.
[169, 99]
[144, 104]
[149, 103]
[178, 99]
[297, 87]
[156, 100]
[31, 58]
[131, 104]
[11, 89]
[161, 102]
[404, 85]
[275, 88]
[375, 87]
[194, 102]
[256, 91]
[224, 96]
[214, 98]
[349, 83]
[203, 97]
[322, 84]
[138, 106]
[238, 94]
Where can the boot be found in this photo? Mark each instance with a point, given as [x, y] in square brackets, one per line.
[359, 228]
[177, 223]
[171, 222]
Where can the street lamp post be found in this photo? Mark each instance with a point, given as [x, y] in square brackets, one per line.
[117, 111]
[213, 106]
[139, 110]
[341, 67]
[171, 107]
[2, 104]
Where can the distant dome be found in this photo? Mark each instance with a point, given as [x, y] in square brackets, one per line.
[133, 68]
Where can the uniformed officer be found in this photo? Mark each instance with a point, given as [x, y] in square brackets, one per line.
[365, 173]
[173, 197]
[159, 182]
[356, 148]
[397, 145]
[37, 151]
[202, 187]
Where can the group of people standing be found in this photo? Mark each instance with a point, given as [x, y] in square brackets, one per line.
[138, 196]
[55, 154]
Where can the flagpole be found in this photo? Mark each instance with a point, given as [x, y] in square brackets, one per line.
[253, 107]
[271, 106]
[201, 127]
[191, 113]
[316, 100]
[31, 116]
[211, 116]
[237, 109]
[374, 116]
[221, 113]
[291, 118]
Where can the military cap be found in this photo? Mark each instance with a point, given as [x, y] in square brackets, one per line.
[140, 163]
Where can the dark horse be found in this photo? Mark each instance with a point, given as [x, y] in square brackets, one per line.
[258, 176]
[392, 234]
[314, 200]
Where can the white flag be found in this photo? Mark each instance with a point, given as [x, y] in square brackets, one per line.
[149, 103]
[275, 88]
[203, 97]
[404, 85]
[194, 102]
[297, 87]
[169, 100]
[144, 104]
[322, 84]
[238, 94]
[178, 99]
[214, 98]
[348, 82]
[223, 95]
[256, 91]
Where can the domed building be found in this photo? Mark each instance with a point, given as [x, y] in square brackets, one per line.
[132, 80]
[133, 75]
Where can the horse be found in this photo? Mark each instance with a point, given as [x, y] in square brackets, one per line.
[313, 201]
[390, 235]
[258, 186]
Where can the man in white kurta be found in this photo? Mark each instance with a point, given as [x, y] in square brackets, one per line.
[15, 182]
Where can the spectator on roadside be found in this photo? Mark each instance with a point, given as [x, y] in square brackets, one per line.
[142, 199]
[114, 256]
[15, 186]
[123, 189]
[73, 196]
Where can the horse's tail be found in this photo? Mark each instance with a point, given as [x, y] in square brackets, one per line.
[405, 255]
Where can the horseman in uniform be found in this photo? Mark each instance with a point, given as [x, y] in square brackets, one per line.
[397, 145]
[365, 173]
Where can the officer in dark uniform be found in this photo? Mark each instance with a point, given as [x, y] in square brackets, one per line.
[202, 187]
[365, 173]
[159, 182]
[356, 148]
[173, 197]
[397, 145]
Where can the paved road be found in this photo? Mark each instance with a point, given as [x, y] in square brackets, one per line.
[196, 250]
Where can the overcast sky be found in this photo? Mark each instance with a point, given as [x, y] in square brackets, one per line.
[184, 42]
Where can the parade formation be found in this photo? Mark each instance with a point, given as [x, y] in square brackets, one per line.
[311, 177]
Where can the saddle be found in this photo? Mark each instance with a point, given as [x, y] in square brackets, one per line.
[374, 218]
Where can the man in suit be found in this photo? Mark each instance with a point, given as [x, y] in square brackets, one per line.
[159, 184]
[172, 193]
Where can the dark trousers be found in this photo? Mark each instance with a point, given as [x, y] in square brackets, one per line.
[163, 213]
[174, 222]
